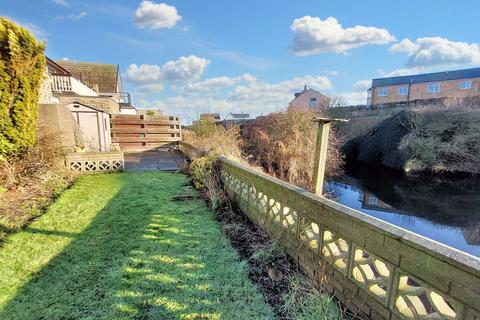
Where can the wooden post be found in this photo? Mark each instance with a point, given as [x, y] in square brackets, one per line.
[321, 150]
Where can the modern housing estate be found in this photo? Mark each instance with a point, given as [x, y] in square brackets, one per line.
[424, 88]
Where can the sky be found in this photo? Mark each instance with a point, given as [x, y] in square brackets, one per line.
[189, 57]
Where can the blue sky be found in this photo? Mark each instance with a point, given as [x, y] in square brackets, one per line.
[190, 57]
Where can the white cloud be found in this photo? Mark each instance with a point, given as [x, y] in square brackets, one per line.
[437, 51]
[354, 97]
[362, 85]
[217, 83]
[409, 71]
[314, 36]
[80, 15]
[153, 16]
[150, 88]
[278, 94]
[61, 2]
[143, 73]
[237, 94]
[406, 45]
[185, 68]
[72, 16]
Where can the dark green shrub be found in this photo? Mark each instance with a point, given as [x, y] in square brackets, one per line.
[21, 69]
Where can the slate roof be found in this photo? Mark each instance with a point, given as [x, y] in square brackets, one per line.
[428, 77]
[103, 75]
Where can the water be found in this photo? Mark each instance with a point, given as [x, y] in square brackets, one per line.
[445, 210]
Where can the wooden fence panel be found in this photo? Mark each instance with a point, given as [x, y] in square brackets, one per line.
[141, 132]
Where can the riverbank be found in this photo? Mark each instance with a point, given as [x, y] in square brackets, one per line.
[430, 139]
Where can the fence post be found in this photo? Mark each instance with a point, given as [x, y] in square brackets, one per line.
[321, 149]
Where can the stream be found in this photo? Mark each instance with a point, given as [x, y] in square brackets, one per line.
[445, 210]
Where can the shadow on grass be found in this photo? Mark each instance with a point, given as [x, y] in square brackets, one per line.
[143, 256]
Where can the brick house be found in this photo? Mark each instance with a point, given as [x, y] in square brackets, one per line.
[309, 99]
[424, 88]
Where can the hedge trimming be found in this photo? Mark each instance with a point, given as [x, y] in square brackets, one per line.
[22, 64]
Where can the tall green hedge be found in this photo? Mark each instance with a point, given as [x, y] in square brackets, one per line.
[22, 64]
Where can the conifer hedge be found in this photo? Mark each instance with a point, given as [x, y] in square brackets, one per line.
[22, 64]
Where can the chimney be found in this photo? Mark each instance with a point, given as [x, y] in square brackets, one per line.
[305, 88]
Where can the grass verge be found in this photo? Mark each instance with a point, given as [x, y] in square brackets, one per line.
[117, 246]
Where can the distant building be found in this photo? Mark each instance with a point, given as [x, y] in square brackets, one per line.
[310, 99]
[214, 116]
[424, 88]
[237, 118]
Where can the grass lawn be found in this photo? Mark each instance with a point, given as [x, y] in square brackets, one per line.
[116, 246]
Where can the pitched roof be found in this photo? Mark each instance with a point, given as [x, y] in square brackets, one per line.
[55, 69]
[104, 75]
[428, 77]
[297, 94]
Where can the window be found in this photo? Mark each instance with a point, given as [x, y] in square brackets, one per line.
[313, 102]
[466, 84]
[402, 91]
[434, 87]
[372, 200]
[383, 92]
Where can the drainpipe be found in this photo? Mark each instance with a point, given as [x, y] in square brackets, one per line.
[373, 96]
[408, 94]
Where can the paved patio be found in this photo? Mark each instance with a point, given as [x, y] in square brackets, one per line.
[156, 159]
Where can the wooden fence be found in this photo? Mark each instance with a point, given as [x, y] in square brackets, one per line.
[375, 268]
[141, 132]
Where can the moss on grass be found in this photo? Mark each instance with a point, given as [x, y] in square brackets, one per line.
[117, 247]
